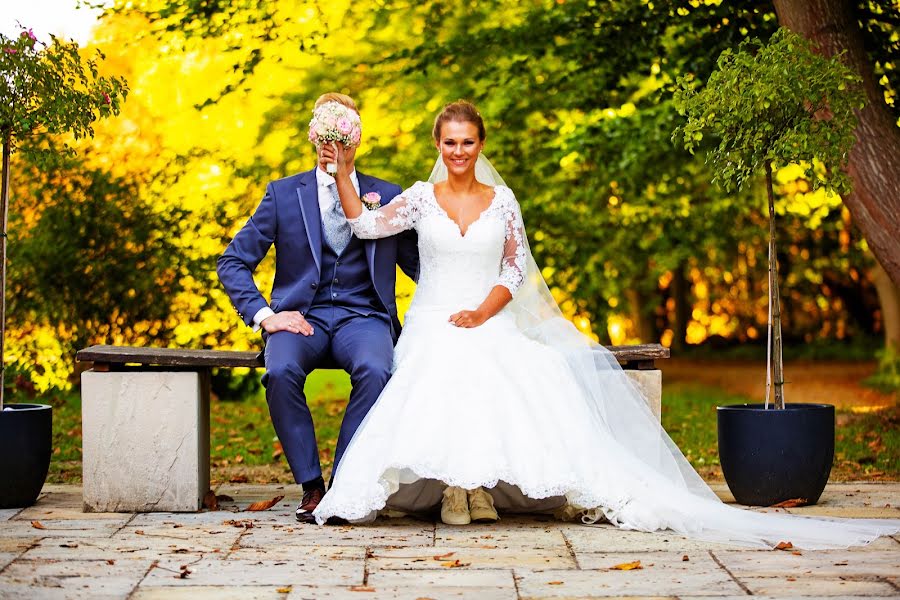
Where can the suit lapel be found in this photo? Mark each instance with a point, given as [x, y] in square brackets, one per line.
[308, 194]
[366, 186]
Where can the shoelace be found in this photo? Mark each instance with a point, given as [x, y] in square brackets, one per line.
[480, 500]
[456, 500]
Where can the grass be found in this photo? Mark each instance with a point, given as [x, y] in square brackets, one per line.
[867, 445]
[244, 447]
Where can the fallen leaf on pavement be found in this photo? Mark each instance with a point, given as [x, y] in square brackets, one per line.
[784, 546]
[452, 564]
[284, 590]
[209, 501]
[685, 558]
[239, 479]
[361, 588]
[792, 503]
[110, 561]
[629, 566]
[443, 556]
[245, 523]
[797, 553]
[554, 583]
[68, 545]
[139, 532]
[843, 563]
[264, 504]
[37, 525]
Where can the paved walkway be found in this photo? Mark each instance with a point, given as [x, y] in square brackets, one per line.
[53, 550]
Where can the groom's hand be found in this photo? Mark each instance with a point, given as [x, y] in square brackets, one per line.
[468, 318]
[289, 320]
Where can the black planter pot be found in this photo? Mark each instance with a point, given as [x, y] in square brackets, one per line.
[26, 434]
[769, 456]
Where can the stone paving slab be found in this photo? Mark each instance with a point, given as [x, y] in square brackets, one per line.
[281, 573]
[210, 593]
[94, 579]
[60, 503]
[528, 532]
[387, 533]
[606, 538]
[645, 582]
[437, 557]
[410, 593]
[269, 555]
[296, 552]
[818, 587]
[9, 513]
[64, 528]
[137, 547]
[821, 563]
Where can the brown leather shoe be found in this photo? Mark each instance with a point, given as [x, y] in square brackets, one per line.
[309, 503]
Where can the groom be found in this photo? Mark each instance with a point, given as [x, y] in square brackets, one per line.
[333, 304]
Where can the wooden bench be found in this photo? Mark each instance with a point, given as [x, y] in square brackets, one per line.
[145, 421]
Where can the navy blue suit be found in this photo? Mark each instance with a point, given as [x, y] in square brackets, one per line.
[349, 299]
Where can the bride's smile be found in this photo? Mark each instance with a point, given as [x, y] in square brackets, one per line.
[460, 145]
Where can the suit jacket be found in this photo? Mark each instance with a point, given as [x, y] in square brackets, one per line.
[289, 218]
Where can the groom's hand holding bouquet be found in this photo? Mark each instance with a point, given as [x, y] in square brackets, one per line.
[333, 122]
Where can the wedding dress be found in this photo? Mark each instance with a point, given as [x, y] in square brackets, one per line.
[524, 405]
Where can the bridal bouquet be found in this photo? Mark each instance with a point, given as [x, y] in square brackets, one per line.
[334, 122]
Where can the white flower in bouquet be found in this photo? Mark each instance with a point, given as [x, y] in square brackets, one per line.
[334, 122]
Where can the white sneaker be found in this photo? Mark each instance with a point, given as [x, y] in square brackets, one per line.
[455, 507]
[481, 507]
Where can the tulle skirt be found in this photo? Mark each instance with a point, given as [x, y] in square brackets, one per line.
[490, 407]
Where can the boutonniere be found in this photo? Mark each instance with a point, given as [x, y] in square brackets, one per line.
[372, 200]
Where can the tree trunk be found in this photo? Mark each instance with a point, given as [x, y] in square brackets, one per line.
[889, 298]
[679, 289]
[875, 159]
[643, 323]
[776, 364]
[4, 205]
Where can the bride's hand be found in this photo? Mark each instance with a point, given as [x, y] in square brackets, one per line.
[468, 318]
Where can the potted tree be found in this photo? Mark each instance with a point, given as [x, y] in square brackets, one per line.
[44, 89]
[765, 106]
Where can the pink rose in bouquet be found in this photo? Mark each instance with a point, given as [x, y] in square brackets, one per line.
[334, 122]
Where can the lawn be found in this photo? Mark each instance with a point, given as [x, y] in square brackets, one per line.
[245, 448]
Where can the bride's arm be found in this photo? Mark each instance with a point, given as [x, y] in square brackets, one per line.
[394, 217]
[512, 274]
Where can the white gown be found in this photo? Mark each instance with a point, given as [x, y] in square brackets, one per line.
[489, 406]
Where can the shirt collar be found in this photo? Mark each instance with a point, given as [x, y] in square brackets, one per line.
[323, 179]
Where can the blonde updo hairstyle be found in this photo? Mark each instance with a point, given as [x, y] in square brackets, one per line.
[460, 111]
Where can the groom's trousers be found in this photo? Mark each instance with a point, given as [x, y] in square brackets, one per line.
[361, 345]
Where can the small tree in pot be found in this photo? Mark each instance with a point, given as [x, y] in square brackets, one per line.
[44, 89]
[774, 104]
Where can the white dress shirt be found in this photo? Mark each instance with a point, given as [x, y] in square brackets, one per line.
[326, 200]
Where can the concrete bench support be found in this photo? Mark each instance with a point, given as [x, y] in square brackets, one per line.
[145, 440]
[145, 421]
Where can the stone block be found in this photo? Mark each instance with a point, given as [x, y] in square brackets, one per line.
[145, 440]
[650, 384]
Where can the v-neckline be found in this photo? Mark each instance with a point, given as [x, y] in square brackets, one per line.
[462, 233]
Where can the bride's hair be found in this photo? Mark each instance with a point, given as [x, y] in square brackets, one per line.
[460, 111]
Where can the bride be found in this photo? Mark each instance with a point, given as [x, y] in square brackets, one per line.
[497, 402]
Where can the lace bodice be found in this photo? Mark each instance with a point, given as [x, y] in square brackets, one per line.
[456, 271]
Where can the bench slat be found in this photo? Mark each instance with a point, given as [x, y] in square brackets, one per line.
[178, 357]
[168, 357]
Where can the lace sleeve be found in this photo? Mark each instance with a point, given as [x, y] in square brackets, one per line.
[512, 267]
[396, 216]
